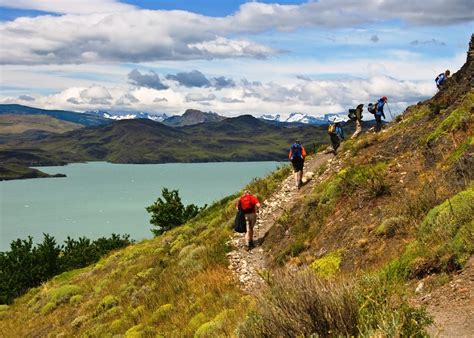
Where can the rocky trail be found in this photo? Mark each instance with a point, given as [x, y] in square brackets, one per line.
[246, 265]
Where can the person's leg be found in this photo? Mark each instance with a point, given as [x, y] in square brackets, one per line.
[358, 129]
[251, 220]
[297, 173]
[378, 123]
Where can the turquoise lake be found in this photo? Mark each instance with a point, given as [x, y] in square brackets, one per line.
[98, 198]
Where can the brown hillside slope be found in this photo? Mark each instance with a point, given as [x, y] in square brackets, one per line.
[16, 124]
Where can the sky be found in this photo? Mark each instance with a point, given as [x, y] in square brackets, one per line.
[231, 57]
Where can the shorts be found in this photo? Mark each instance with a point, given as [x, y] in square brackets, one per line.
[297, 164]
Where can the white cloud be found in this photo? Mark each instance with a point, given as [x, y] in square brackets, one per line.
[145, 35]
[69, 7]
[310, 96]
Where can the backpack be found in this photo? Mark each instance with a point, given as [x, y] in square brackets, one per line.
[440, 79]
[246, 203]
[352, 114]
[296, 151]
[332, 128]
[372, 108]
[240, 224]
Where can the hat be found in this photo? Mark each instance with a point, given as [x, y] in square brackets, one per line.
[384, 98]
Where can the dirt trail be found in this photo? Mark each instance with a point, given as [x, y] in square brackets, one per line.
[451, 305]
[247, 264]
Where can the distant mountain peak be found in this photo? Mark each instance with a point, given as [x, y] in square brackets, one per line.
[191, 117]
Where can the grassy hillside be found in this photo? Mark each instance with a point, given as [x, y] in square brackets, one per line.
[389, 209]
[16, 124]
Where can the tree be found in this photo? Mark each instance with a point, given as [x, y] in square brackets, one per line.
[170, 212]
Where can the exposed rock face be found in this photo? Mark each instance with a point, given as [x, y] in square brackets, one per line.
[191, 117]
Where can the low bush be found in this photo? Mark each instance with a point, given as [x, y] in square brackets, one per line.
[303, 305]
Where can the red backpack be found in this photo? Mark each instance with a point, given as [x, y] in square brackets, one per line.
[246, 203]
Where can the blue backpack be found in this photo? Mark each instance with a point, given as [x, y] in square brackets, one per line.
[296, 151]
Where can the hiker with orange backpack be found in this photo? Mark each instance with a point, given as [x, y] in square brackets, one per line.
[297, 155]
[249, 204]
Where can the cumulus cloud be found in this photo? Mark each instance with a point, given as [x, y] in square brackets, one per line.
[197, 97]
[96, 95]
[151, 80]
[222, 82]
[69, 7]
[190, 79]
[26, 98]
[146, 35]
[127, 100]
[160, 99]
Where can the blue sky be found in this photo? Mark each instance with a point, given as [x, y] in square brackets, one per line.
[231, 57]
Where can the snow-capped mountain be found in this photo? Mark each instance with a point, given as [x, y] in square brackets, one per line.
[303, 118]
[269, 117]
[123, 115]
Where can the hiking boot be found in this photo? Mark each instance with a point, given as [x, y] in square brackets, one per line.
[249, 246]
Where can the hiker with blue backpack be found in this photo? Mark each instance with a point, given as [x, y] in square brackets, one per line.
[441, 78]
[336, 133]
[377, 110]
[297, 155]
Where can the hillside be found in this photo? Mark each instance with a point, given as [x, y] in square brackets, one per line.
[64, 115]
[342, 256]
[17, 124]
[244, 138]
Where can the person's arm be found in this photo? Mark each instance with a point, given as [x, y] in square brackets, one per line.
[289, 154]
[303, 152]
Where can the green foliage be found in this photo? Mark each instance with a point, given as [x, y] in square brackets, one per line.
[328, 265]
[107, 303]
[444, 240]
[383, 312]
[26, 266]
[390, 226]
[455, 120]
[170, 212]
[64, 293]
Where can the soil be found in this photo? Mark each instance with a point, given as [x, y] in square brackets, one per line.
[451, 305]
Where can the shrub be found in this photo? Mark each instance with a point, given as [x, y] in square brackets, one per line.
[64, 293]
[303, 305]
[391, 226]
[170, 212]
[328, 265]
[107, 303]
[383, 313]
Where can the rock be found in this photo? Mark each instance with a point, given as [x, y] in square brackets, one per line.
[420, 287]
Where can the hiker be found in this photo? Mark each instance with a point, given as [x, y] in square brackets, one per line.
[379, 113]
[356, 115]
[296, 155]
[336, 133]
[249, 204]
[441, 78]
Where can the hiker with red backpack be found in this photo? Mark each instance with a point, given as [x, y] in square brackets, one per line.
[249, 204]
[297, 155]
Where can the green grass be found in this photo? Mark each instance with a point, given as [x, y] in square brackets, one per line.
[444, 239]
[455, 120]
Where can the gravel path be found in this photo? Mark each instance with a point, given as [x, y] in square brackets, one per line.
[246, 265]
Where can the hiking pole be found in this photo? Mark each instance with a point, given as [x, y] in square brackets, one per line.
[391, 116]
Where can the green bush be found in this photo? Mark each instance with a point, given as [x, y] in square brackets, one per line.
[328, 265]
[170, 212]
